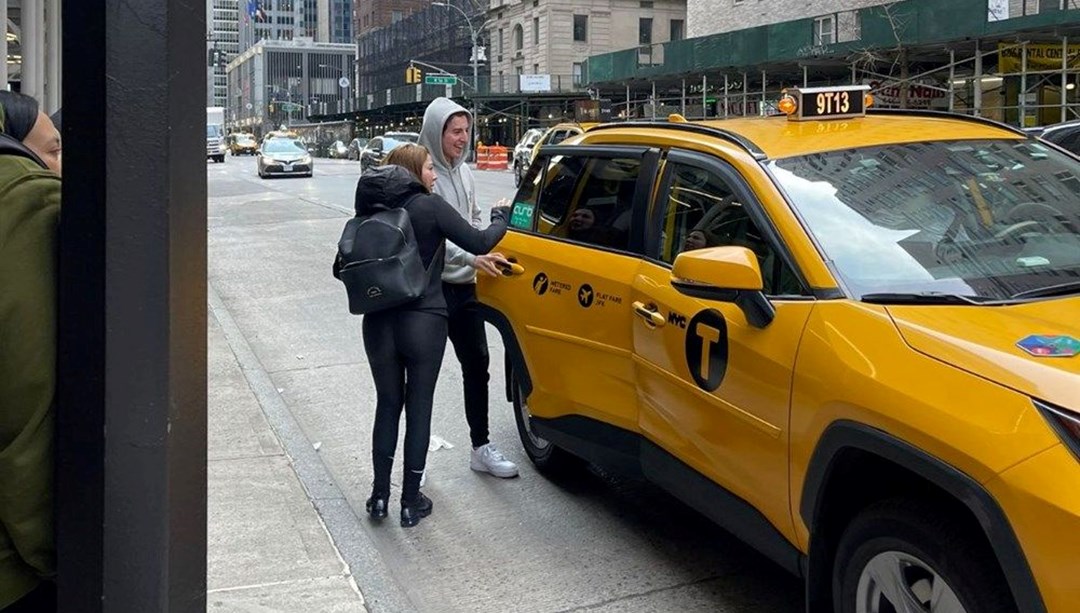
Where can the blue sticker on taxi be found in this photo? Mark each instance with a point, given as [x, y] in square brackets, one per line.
[1050, 346]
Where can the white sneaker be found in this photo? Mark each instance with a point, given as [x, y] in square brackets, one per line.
[489, 459]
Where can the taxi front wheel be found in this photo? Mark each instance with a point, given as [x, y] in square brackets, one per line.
[547, 457]
[902, 555]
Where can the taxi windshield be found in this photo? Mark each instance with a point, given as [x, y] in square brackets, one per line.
[283, 146]
[979, 219]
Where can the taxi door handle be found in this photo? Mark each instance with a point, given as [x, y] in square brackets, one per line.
[512, 269]
[649, 314]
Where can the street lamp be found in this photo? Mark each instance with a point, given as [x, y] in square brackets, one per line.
[475, 34]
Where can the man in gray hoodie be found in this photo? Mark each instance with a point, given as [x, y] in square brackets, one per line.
[445, 133]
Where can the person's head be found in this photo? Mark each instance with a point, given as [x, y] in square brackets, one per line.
[694, 240]
[582, 219]
[455, 136]
[416, 159]
[22, 119]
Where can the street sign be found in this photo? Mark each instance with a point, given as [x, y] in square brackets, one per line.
[343, 82]
[440, 79]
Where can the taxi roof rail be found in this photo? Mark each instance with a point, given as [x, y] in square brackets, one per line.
[947, 115]
[727, 135]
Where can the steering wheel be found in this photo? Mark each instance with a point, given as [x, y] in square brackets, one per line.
[1021, 215]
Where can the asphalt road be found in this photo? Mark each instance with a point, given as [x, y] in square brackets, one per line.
[587, 542]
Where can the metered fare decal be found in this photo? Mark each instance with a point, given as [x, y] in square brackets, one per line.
[585, 294]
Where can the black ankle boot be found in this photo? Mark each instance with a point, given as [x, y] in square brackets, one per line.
[413, 511]
[377, 505]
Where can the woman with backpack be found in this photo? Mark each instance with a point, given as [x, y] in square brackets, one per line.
[405, 344]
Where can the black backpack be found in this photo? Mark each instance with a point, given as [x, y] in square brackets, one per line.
[379, 262]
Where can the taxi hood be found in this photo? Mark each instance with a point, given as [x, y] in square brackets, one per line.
[983, 341]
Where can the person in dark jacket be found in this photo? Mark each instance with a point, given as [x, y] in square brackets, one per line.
[405, 345]
[29, 213]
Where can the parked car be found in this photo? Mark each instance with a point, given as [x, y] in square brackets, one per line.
[375, 151]
[356, 145]
[1065, 135]
[523, 152]
[284, 156]
[849, 338]
[242, 143]
[337, 150]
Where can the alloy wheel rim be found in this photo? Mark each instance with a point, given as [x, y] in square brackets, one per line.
[523, 408]
[897, 581]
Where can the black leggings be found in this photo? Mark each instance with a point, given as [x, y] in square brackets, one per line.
[405, 351]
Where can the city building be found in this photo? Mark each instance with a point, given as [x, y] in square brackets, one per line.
[277, 20]
[32, 46]
[374, 14]
[335, 21]
[529, 58]
[222, 44]
[284, 82]
[552, 38]
[1016, 61]
[705, 17]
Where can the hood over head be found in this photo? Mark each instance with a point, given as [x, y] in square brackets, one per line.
[435, 118]
[385, 187]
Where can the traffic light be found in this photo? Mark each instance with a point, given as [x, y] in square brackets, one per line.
[413, 75]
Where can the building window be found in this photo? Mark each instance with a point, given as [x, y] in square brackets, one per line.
[536, 68]
[646, 4]
[678, 29]
[536, 30]
[501, 43]
[581, 28]
[579, 73]
[645, 30]
[519, 38]
[824, 30]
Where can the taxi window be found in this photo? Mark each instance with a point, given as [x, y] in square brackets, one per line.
[700, 209]
[589, 200]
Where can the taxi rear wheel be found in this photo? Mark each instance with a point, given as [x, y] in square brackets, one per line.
[902, 556]
[545, 455]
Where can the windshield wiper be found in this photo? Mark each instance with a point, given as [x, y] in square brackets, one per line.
[1061, 289]
[922, 298]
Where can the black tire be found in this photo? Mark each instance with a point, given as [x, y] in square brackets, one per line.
[545, 455]
[925, 540]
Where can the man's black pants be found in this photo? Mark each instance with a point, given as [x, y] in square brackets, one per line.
[468, 334]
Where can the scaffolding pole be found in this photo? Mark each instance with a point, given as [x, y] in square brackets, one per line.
[1023, 84]
[653, 105]
[705, 96]
[978, 79]
[1064, 77]
[725, 96]
[682, 99]
[952, 77]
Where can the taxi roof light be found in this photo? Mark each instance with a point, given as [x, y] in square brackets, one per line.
[787, 105]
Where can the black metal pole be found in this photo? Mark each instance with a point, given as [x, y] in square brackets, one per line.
[131, 416]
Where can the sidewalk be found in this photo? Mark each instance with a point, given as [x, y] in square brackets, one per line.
[268, 549]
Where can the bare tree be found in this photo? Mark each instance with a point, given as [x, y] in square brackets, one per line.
[896, 56]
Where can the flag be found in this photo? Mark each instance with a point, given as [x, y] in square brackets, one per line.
[255, 10]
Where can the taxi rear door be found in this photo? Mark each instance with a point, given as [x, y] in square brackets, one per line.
[577, 231]
[714, 389]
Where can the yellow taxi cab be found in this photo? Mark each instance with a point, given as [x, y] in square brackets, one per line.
[849, 338]
[560, 132]
[242, 143]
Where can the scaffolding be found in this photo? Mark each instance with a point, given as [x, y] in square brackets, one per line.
[1024, 82]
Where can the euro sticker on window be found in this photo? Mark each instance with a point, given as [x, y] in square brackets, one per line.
[521, 215]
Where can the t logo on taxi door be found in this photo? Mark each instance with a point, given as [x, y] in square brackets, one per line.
[707, 349]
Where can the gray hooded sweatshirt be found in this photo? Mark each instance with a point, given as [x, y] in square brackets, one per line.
[454, 184]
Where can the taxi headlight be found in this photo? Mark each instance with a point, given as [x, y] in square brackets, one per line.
[1064, 422]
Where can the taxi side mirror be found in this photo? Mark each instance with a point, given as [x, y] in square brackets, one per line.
[725, 274]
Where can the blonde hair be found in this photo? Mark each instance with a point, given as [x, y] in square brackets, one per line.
[409, 156]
